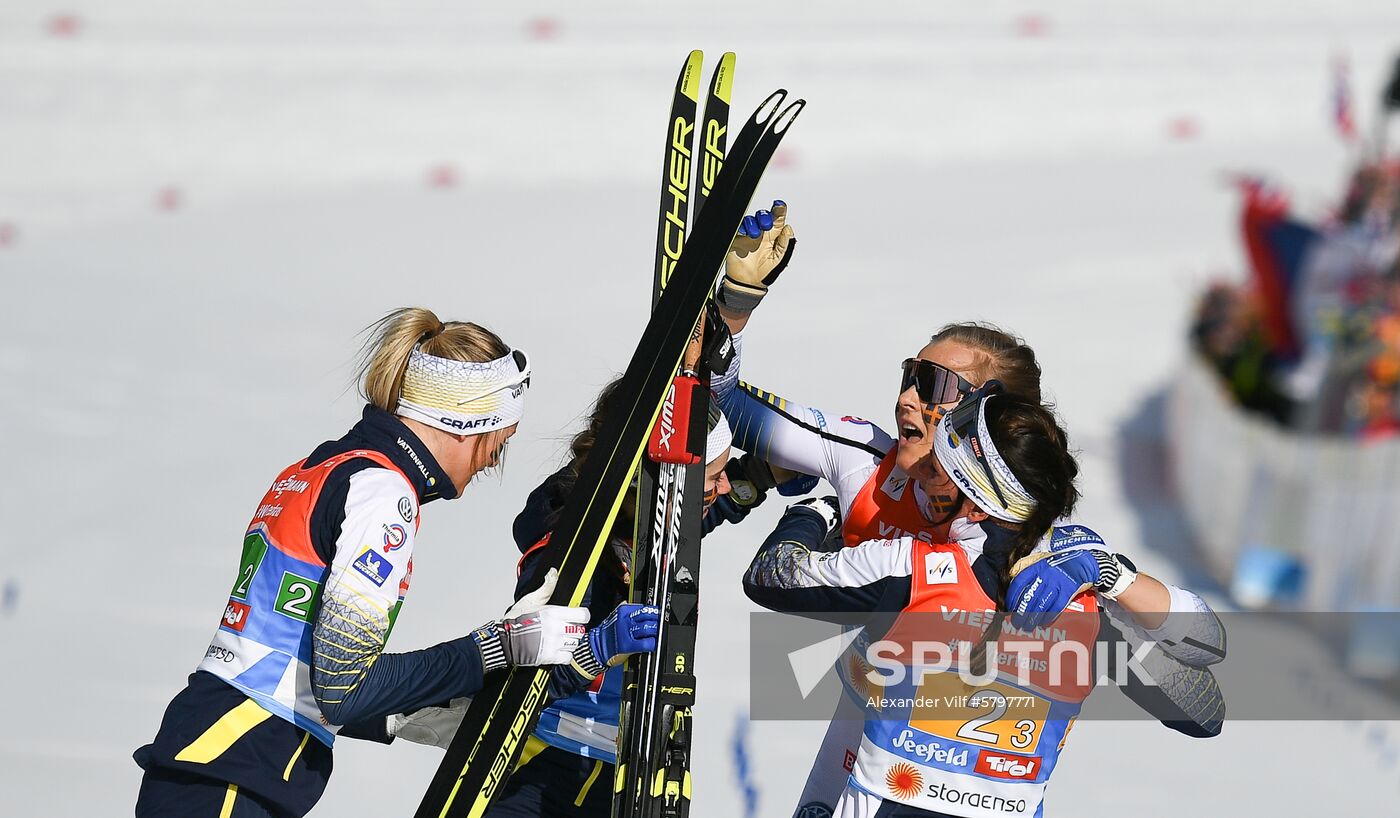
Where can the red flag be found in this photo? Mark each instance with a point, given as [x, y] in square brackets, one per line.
[1264, 209]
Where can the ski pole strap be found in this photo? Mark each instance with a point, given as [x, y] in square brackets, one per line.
[717, 351]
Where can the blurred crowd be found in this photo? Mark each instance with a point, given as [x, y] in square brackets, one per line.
[1313, 339]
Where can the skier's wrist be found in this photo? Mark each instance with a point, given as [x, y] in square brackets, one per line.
[488, 643]
[586, 656]
[738, 297]
[757, 472]
[1116, 573]
[823, 510]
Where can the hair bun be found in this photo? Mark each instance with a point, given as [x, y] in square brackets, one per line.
[432, 333]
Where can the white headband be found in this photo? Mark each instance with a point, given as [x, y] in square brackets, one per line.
[465, 397]
[958, 454]
[720, 436]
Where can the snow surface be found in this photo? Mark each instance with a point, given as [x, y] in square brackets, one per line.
[161, 365]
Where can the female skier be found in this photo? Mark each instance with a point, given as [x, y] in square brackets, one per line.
[568, 763]
[566, 768]
[298, 656]
[889, 487]
[918, 754]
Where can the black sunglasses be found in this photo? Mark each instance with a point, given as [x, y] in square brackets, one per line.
[933, 384]
[962, 421]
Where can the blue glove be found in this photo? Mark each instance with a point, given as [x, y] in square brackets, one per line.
[1040, 592]
[798, 486]
[628, 629]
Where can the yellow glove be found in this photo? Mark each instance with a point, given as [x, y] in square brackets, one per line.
[757, 257]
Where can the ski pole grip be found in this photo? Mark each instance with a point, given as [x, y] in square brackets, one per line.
[673, 437]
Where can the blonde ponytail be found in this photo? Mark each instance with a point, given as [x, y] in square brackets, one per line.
[392, 338]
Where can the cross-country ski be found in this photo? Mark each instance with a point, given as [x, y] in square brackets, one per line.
[430, 409]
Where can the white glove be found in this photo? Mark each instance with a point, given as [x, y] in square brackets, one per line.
[537, 633]
[434, 726]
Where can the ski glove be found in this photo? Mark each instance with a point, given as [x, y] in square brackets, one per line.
[433, 726]
[797, 485]
[749, 482]
[757, 257]
[827, 509]
[533, 632]
[630, 628]
[1043, 584]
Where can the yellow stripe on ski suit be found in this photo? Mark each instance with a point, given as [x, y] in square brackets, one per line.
[230, 727]
[287, 773]
[588, 785]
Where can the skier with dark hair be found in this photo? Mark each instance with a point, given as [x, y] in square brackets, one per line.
[1010, 461]
[567, 765]
[890, 486]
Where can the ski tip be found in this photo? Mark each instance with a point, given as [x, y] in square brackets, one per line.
[724, 78]
[690, 75]
[770, 106]
[785, 117]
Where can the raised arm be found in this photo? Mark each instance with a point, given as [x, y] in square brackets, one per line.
[838, 448]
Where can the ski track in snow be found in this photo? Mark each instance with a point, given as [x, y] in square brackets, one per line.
[162, 366]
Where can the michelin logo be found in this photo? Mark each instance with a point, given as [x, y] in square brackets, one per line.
[1071, 537]
[375, 568]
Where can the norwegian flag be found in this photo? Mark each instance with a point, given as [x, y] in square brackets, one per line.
[1341, 100]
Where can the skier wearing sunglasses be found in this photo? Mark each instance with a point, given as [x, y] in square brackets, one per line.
[976, 732]
[892, 487]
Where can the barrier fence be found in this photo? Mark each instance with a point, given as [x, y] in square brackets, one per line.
[1307, 522]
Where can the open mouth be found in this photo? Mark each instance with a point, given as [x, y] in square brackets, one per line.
[910, 432]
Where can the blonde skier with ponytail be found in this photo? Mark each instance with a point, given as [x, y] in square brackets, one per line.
[298, 657]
